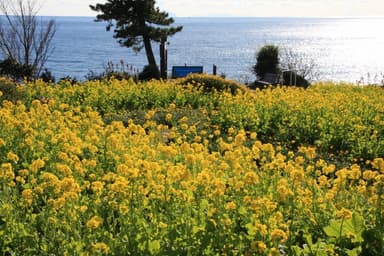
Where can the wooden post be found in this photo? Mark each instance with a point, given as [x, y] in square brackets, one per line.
[214, 69]
[163, 58]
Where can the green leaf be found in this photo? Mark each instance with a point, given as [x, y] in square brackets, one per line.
[354, 252]
[358, 222]
[351, 228]
[154, 246]
[298, 250]
[2, 221]
[250, 228]
[204, 204]
[354, 226]
[333, 229]
[243, 211]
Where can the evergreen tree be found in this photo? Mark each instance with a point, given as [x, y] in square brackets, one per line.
[136, 23]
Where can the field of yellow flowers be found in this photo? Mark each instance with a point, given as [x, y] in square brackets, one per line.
[171, 168]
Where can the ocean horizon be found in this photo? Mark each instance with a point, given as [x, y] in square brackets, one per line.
[342, 49]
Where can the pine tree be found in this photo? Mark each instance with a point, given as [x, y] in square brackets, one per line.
[136, 24]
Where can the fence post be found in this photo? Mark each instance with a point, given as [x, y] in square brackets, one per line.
[163, 58]
[214, 69]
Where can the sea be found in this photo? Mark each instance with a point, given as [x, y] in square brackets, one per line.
[337, 49]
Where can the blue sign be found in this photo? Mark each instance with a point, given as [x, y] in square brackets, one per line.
[183, 71]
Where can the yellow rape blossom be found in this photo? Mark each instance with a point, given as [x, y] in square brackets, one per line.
[57, 203]
[36, 165]
[260, 229]
[354, 172]
[251, 178]
[12, 157]
[240, 138]
[344, 213]
[279, 236]
[123, 209]
[23, 173]
[94, 222]
[97, 187]
[163, 225]
[83, 208]
[6, 171]
[297, 174]
[369, 175]
[168, 117]
[230, 206]
[217, 132]
[274, 252]
[309, 152]
[258, 247]
[27, 195]
[69, 184]
[64, 169]
[253, 136]
[378, 164]
[323, 181]
[328, 169]
[100, 247]
[283, 190]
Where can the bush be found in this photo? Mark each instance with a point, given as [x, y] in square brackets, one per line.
[291, 78]
[211, 83]
[70, 79]
[10, 91]
[148, 73]
[15, 70]
[267, 61]
[47, 76]
[111, 70]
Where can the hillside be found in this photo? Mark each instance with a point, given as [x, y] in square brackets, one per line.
[197, 167]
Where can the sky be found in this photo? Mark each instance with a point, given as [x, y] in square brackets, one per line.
[234, 8]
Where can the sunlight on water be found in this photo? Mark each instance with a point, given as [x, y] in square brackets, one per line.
[343, 49]
[350, 49]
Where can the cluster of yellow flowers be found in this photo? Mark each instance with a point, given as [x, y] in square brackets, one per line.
[77, 185]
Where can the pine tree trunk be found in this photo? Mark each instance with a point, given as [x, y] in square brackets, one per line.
[150, 56]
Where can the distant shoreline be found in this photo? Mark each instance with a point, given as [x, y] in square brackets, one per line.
[236, 17]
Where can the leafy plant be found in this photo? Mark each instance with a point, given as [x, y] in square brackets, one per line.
[209, 83]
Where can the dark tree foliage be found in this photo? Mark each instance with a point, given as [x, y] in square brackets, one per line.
[136, 24]
[15, 70]
[267, 61]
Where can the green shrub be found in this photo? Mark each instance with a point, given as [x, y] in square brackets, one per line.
[267, 61]
[10, 91]
[15, 70]
[293, 79]
[211, 83]
[148, 73]
[47, 76]
[119, 71]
